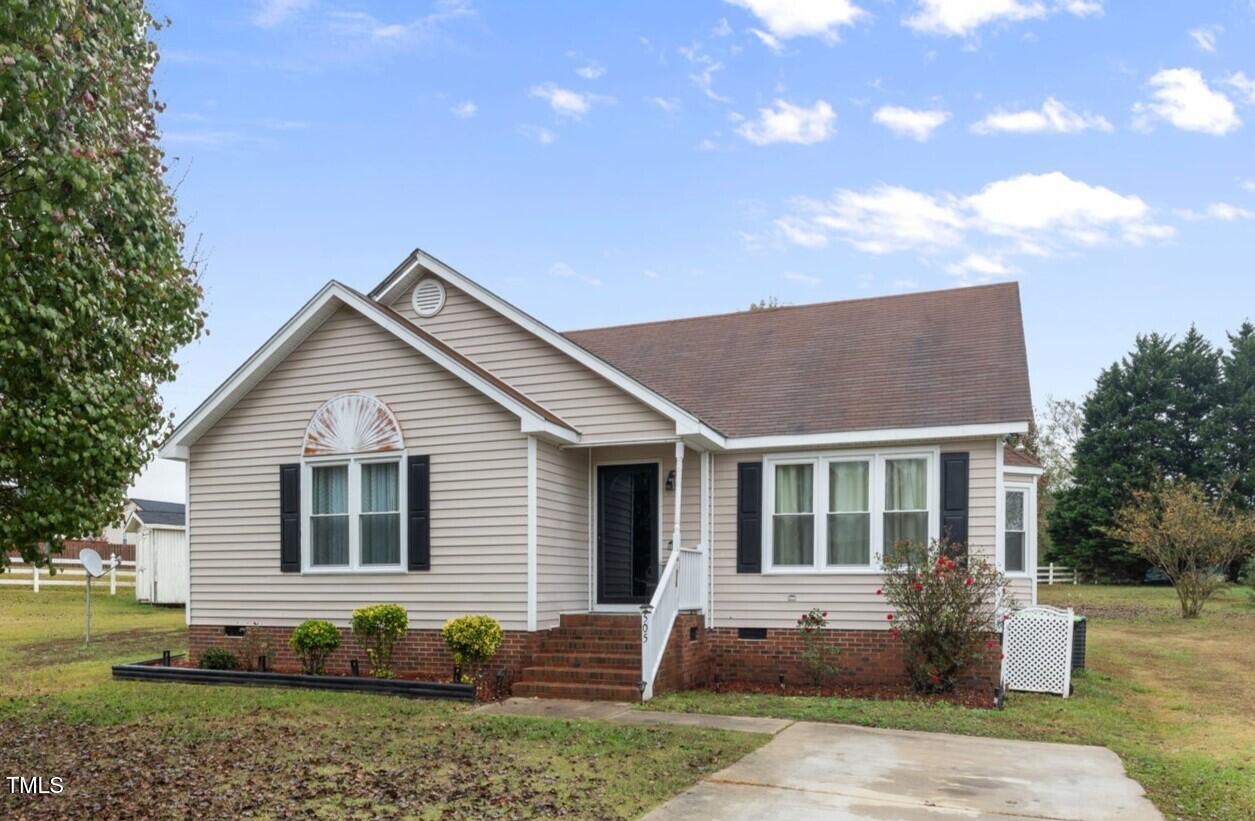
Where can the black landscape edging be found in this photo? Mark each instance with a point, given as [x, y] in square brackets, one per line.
[155, 671]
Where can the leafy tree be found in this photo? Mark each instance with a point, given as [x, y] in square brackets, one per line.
[1177, 528]
[95, 296]
[1146, 418]
[1231, 437]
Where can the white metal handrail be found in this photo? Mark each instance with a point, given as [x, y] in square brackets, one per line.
[681, 587]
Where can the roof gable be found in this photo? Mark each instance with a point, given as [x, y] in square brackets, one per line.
[534, 418]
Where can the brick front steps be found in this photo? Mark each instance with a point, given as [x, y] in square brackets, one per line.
[590, 656]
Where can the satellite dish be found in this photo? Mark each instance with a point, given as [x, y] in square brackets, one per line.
[91, 562]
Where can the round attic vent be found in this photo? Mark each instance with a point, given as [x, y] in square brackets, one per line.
[428, 297]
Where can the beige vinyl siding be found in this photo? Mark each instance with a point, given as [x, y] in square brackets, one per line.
[562, 554]
[763, 600]
[478, 490]
[589, 402]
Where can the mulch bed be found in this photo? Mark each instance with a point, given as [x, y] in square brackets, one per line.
[963, 697]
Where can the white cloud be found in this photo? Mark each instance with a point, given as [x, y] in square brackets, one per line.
[705, 68]
[722, 29]
[1027, 215]
[1222, 211]
[979, 268]
[1205, 37]
[538, 133]
[961, 18]
[465, 110]
[803, 18]
[1244, 86]
[788, 123]
[566, 102]
[564, 271]
[1052, 118]
[667, 104]
[649, 273]
[273, 12]
[907, 122]
[1247, 185]
[805, 279]
[591, 71]
[422, 29]
[769, 40]
[1182, 97]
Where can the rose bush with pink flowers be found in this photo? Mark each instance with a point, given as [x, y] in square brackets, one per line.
[942, 604]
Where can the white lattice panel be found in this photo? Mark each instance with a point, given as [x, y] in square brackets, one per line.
[1037, 650]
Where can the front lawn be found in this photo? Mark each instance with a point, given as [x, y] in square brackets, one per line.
[1173, 698]
[159, 750]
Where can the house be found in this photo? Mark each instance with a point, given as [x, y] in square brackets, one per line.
[642, 507]
[159, 532]
[116, 532]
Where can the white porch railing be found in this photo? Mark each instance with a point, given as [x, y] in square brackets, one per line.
[682, 586]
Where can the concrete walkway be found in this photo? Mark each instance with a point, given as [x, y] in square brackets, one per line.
[834, 771]
[811, 770]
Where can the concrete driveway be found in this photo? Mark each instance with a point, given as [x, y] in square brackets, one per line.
[811, 771]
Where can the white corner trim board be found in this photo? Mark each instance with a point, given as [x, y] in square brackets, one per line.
[326, 302]
[533, 479]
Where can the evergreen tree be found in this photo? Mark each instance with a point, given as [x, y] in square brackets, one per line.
[1147, 417]
[1231, 436]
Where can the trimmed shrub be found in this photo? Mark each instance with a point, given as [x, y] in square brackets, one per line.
[818, 654]
[313, 641]
[472, 640]
[218, 658]
[942, 604]
[379, 627]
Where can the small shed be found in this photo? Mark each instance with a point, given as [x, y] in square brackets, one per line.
[159, 532]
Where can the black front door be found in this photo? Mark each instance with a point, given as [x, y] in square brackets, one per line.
[627, 533]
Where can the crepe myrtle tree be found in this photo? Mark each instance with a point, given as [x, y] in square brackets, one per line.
[1189, 535]
[95, 292]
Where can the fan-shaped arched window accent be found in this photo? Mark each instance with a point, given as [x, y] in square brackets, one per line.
[352, 423]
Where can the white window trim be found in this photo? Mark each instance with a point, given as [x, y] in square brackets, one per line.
[354, 463]
[1029, 489]
[819, 488]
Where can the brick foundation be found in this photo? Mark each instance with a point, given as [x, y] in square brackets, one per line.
[686, 663]
[866, 657]
[422, 654]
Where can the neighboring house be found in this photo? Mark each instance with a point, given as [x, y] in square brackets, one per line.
[159, 532]
[433, 445]
[116, 533]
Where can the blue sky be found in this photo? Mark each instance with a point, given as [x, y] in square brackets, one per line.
[600, 163]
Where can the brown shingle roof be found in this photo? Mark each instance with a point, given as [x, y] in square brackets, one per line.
[953, 357]
[1018, 458]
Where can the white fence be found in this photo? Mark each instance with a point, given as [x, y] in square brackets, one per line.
[1054, 574]
[681, 587]
[69, 573]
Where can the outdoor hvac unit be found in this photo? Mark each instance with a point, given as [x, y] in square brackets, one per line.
[1037, 650]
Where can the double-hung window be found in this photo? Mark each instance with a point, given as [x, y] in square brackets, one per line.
[1015, 543]
[353, 514]
[840, 512]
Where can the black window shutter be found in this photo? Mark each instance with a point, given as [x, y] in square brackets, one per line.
[418, 509]
[749, 517]
[290, 518]
[954, 495]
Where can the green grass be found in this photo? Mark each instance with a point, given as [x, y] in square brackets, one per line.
[1172, 697]
[155, 749]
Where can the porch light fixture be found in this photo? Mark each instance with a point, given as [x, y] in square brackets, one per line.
[670, 481]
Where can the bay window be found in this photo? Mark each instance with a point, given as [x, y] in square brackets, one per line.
[353, 518]
[839, 512]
